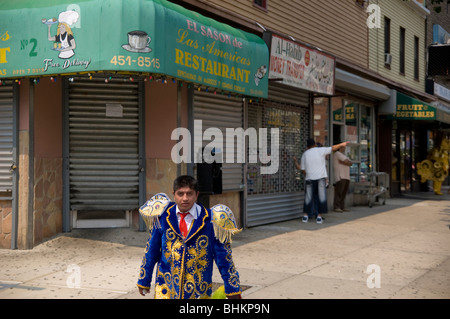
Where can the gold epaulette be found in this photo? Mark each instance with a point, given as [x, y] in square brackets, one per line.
[152, 209]
[224, 223]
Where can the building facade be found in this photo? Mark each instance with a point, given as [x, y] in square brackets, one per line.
[346, 112]
[438, 84]
[92, 121]
[89, 140]
[410, 124]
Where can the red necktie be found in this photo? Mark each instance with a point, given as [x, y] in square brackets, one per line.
[183, 225]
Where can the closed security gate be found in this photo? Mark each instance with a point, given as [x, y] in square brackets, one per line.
[103, 151]
[219, 112]
[7, 135]
[279, 196]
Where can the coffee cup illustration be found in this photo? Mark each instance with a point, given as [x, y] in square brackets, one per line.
[138, 41]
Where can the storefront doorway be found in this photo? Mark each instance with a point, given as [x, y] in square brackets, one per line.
[405, 156]
[103, 163]
[352, 120]
[279, 196]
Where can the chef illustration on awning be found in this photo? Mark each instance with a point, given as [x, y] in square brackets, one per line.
[64, 42]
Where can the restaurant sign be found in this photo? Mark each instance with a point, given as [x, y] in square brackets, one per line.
[147, 36]
[300, 66]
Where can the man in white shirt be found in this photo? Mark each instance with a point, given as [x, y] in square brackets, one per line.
[313, 166]
[341, 165]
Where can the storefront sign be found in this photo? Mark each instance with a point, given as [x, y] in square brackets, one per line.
[409, 108]
[442, 92]
[350, 114]
[148, 36]
[300, 66]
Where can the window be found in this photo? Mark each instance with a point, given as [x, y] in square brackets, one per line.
[353, 122]
[387, 35]
[361, 3]
[351, 125]
[320, 128]
[387, 41]
[351, 135]
[416, 58]
[350, 119]
[402, 50]
[366, 143]
[260, 3]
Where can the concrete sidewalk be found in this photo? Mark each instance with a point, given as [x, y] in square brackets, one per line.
[407, 242]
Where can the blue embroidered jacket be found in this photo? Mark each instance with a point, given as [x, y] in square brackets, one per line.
[185, 265]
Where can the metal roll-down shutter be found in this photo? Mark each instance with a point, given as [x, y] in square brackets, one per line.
[278, 197]
[221, 111]
[6, 137]
[103, 144]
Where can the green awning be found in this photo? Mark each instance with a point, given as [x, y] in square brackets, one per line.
[49, 37]
[409, 108]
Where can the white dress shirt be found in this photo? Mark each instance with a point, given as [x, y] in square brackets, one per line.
[193, 214]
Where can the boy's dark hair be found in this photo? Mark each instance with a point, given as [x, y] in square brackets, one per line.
[310, 142]
[185, 181]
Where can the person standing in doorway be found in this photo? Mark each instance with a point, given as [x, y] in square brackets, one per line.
[313, 166]
[341, 165]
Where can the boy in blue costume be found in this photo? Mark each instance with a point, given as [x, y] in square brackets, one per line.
[186, 238]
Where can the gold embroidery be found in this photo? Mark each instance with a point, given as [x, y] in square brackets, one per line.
[173, 251]
[142, 271]
[196, 263]
[224, 223]
[153, 209]
[162, 292]
[176, 250]
[234, 278]
[203, 224]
